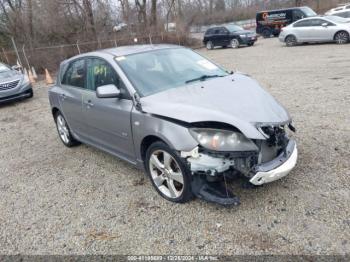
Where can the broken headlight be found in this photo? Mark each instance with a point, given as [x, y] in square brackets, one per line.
[222, 140]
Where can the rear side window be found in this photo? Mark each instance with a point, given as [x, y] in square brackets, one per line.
[209, 32]
[216, 31]
[304, 23]
[75, 74]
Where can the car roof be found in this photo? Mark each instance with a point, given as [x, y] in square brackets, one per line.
[124, 50]
[282, 9]
[135, 49]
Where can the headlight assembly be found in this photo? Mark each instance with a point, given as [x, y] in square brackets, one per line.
[222, 140]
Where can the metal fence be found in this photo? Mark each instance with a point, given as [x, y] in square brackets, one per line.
[49, 57]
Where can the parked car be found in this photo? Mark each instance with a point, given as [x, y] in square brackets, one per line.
[186, 121]
[338, 9]
[228, 35]
[343, 13]
[317, 29]
[270, 22]
[13, 84]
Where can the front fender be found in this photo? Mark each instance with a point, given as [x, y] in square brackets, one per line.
[174, 134]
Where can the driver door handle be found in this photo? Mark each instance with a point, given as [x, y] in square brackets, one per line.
[88, 104]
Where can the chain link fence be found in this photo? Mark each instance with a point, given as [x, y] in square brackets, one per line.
[49, 57]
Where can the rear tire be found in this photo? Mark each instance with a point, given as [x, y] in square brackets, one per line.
[64, 131]
[291, 40]
[341, 38]
[169, 173]
[266, 33]
[209, 45]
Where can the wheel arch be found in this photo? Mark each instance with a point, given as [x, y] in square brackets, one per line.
[339, 31]
[285, 38]
[147, 142]
[54, 111]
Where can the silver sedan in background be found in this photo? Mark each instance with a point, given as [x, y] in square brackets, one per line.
[13, 84]
[317, 29]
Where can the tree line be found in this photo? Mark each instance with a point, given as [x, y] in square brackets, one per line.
[47, 22]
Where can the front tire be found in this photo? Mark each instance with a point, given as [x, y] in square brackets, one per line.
[342, 38]
[169, 173]
[291, 40]
[64, 132]
[234, 43]
[266, 33]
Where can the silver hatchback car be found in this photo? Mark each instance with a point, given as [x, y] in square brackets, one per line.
[317, 29]
[190, 124]
[13, 85]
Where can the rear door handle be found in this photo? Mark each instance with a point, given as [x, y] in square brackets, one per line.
[88, 104]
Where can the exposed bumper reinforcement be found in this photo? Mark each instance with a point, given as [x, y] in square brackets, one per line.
[277, 168]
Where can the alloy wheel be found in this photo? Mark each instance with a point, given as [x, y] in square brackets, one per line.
[166, 174]
[291, 40]
[342, 38]
[234, 43]
[63, 129]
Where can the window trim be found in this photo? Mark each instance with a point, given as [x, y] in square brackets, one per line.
[70, 63]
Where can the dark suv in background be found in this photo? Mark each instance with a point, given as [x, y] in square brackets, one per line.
[228, 35]
[270, 22]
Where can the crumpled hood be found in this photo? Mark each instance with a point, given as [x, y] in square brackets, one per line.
[237, 100]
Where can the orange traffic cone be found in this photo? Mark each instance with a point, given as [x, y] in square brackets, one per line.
[31, 77]
[48, 77]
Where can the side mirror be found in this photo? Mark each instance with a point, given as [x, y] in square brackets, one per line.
[108, 91]
[325, 24]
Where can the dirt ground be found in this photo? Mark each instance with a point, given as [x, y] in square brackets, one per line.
[55, 200]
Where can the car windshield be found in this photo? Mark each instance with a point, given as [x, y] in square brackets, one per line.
[4, 68]
[234, 28]
[338, 19]
[308, 11]
[160, 70]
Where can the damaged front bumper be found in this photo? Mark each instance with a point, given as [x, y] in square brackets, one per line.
[278, 167]
[209, 169]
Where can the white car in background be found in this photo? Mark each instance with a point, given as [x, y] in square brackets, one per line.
[340, 8]
[317, 29]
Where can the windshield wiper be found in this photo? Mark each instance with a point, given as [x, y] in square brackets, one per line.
[202, 78]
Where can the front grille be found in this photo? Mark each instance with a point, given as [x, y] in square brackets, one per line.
[8, 85]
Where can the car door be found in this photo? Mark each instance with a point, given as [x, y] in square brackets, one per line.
[302, 30]
[224, 36]
[72, 86]
[216, 36]
[108, 119]
[322, 33]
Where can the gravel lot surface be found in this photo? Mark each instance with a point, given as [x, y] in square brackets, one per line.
[55, 200]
